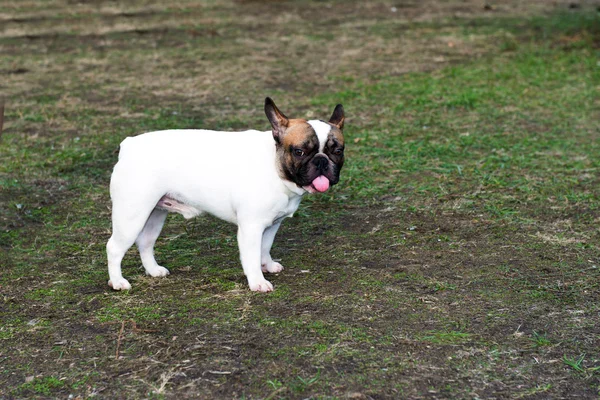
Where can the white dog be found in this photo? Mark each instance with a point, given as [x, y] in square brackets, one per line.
[253, 179]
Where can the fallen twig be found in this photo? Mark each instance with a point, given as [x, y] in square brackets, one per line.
[119, 339]
[275, 393]
[219, 372]
[134, 328]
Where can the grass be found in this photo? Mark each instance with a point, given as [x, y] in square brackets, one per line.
[577, 364]
[457, 258]
[540, 339]
[446, 337]
[43, 386]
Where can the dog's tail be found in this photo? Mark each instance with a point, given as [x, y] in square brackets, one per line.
[122, 147]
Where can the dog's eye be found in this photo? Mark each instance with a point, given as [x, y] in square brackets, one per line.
[338, 152]
[298, 152]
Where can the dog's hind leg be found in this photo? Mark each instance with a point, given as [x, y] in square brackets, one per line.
[146, 240]
[129, 219]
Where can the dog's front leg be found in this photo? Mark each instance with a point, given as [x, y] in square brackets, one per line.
[267, 263]
[250, 241]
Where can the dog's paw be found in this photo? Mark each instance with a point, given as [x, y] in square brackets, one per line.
[120, 284]
[261, 286]
[158, 272]
[272, 267]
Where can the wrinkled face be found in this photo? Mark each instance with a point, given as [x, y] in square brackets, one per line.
[311, 154]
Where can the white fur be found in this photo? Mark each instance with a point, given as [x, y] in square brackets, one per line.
[322, 130]
[231, 175]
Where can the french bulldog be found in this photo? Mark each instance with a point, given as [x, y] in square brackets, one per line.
[253, 179]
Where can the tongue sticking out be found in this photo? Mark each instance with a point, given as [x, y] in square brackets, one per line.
[321, 183]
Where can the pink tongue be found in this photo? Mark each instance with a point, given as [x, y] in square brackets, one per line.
[321, 183]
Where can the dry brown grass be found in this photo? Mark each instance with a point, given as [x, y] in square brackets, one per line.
[234, 51]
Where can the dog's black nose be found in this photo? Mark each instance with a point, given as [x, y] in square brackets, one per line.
[322, 163]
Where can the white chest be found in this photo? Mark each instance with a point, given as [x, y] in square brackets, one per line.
[287, 210]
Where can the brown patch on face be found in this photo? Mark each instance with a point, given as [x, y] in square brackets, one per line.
[334, 149]
[299, 133]
[299, 136]
[336, 134]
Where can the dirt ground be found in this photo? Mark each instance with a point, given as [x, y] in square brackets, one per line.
[443, 266]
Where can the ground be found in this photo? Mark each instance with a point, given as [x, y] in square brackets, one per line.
[458, 257]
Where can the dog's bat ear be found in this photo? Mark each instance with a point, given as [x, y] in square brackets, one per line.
[337, 118]
[278, 120]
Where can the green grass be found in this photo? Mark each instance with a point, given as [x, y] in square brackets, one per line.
[503, 149]
[43, 386]
[451, 337]
[540, 339]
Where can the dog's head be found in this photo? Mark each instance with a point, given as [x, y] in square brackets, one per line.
[309, 153]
